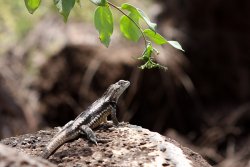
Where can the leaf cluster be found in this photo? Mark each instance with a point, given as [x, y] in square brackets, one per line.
[129, 25]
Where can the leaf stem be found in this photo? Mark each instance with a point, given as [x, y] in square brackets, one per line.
[141, 31]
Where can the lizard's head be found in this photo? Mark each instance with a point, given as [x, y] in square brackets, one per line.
[115, 90]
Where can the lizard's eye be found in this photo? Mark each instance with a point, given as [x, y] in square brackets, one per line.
[121, 82]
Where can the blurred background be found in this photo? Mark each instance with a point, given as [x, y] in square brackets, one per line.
[50, 71]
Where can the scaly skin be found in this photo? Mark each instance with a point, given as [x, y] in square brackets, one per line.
[89, 119]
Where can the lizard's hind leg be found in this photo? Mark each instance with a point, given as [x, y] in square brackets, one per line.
[65, 126]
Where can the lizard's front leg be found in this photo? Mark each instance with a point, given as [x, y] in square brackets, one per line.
[91, 135]
[113, 113]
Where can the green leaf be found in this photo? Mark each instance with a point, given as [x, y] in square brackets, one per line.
[104, 23]
[150, 64]
[147, 58]
[138, 12]
[146, 55]
[129, 29]
[176, 45]
[151, 25]
[99, 2]
[32, 5]
[155, 37]
[79, 2]
[64, 7]
[130, 8]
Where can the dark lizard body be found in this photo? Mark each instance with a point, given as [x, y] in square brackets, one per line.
[89, 119]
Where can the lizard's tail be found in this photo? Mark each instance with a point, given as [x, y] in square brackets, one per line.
[45, 154]
[54, 144]
[58, 140]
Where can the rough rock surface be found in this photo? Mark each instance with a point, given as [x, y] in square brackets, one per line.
[130, 145]
[12, 158]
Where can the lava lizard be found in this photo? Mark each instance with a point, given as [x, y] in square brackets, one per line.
[89, 119]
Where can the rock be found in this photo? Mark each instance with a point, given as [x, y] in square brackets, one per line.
[10, 157]
[130, 145]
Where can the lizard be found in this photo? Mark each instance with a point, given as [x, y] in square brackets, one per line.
[89, 119]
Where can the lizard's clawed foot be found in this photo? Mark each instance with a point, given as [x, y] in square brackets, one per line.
[106, 125]
[121, 124]
[93, 140]
[102, 140]
[99, 140]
